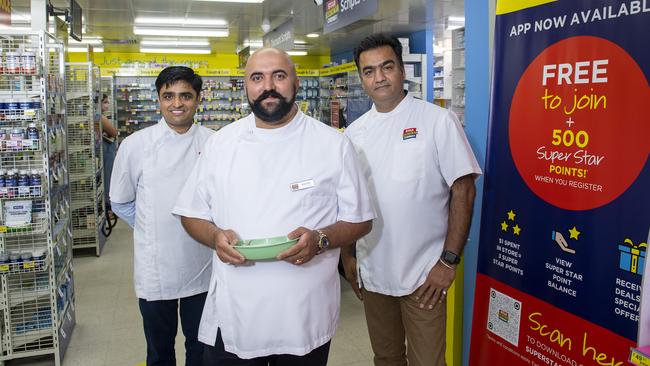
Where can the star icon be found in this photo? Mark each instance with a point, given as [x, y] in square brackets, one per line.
[516, 229]
[504, 226]
[511, 215]
[573, 233]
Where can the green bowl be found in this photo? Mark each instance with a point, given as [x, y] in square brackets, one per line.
[269, 248]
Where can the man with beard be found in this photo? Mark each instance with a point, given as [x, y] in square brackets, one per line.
[275, 172]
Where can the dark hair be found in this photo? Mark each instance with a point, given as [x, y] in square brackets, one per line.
[375, 41]
[172, 74]
[104, 97]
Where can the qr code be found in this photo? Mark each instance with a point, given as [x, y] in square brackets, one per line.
[504, 316]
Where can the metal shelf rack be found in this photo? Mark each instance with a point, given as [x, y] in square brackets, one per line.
[85, 153]
[37, 312]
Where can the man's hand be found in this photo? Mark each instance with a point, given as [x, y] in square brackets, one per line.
[434, 288]
[223, 242]
[350, 269]
[304, 250]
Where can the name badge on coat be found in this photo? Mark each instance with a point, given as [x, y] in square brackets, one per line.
[299, 186]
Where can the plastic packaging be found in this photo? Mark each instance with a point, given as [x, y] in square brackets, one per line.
[23, 183]
[35, 183]
[18, 214]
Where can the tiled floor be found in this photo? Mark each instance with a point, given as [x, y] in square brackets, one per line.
[109, 326]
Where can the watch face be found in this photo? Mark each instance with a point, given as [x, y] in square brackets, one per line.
[450, 257]
[325, 242]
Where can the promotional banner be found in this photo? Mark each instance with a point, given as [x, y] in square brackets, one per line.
[339, 13]
[281, 37]
[565, 215]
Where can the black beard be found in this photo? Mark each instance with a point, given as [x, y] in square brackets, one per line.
[281, 111]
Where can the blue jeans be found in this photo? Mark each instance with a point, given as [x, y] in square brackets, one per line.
[110, 150]
[160, 320]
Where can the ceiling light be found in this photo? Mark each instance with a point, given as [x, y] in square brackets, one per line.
[86, 40]
[182, 21]
[297, 53]
[197, 51]
[180, 32]
[255, 43]
[266, 25]
[22, 29]
[235, 1]
[174, 42]
[85, 49]
[313, 35]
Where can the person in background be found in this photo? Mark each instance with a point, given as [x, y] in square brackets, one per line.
[109, 141]
[421, 171]
[171, 269]
[275, 172]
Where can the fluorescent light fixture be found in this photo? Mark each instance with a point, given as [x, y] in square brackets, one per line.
[298, 41]
[457, 19]
[21, 18]
[254, 43]
[174, 42]
[84, 49]
[180, 32]
[22, 29]
[297, 53]
[86, 40]
[313, 35]
[196, 51]
[182, 21]
[235, 1]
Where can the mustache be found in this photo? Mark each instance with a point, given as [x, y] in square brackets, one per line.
[269, 93]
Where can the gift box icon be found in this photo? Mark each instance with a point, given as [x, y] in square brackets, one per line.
[632, 256]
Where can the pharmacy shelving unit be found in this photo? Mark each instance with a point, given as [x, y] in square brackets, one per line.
[415, 67]
[340, 88]
[136, 103]
[308, 94]
[458, 73]
[37, 310]
[85, 154]
[442, 78]
[222, 102]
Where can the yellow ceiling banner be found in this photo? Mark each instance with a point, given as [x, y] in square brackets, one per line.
[509, 6]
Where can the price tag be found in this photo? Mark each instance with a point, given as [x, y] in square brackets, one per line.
[3, 229]
[4, 268]
[29, 265]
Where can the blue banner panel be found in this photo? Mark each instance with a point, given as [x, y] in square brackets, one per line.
[565, 211]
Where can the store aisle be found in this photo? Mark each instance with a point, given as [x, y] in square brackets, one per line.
[109, 326]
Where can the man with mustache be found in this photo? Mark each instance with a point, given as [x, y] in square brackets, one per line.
[275, 172]
[171, 269]
[422, 170]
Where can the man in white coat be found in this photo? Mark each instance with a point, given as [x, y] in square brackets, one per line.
[171, 269]
[421, 171]
[275, 172]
